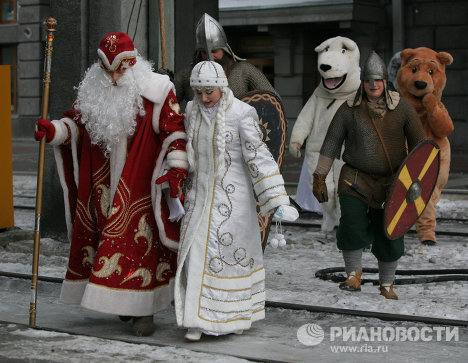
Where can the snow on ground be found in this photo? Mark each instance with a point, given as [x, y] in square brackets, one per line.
[16, 257]
[38, 345]
[291, 277]
[291, 272]
[24, 185]
[447, 208]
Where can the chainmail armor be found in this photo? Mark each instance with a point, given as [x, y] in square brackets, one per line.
[366, 163]
[243, 77]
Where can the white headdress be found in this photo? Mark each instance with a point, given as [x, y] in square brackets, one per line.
[209, 74]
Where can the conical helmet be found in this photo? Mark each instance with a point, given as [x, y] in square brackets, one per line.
[209, 36]
[374, 68]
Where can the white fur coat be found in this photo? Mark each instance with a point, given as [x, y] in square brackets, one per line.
[220, 285]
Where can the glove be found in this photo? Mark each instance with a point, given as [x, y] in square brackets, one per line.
[44, 128]
[175, 178]
[320, 188]
[286, 213]
[295, 149]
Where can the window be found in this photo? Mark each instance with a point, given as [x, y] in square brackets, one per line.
[7, 11]
[8, 56]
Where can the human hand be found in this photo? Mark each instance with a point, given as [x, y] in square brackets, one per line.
[295, 149]
[320, 188]
[175, 178]
[44, 128]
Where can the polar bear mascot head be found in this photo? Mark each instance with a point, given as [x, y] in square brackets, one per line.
[338, 64]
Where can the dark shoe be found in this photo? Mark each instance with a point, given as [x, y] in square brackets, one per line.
[429, 242]
[125, 318]
[388, 292]
[352, 283]
[143, 326]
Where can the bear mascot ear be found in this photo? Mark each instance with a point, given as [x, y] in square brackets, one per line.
[323, 45]
[406, 55]
[349, 44]
[444, 58]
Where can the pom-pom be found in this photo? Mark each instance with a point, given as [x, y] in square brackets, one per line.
[274, 243]
[282, 242]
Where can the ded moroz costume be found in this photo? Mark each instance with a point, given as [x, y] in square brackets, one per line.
[122, 134]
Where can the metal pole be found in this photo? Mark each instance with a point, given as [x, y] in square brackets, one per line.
[51, 24]
[162, 30]
[398, 25]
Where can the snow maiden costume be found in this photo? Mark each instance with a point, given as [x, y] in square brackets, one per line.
[220, 280]
[110, 149]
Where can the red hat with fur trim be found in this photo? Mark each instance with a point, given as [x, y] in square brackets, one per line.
[116, 50]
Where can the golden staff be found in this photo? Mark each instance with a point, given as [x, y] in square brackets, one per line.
[162, 30]
[51, 24]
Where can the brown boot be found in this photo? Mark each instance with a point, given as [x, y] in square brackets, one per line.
[388, 292]
[143, 326]
[353, 282]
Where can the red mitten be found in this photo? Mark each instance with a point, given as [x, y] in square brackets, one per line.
[44, 128]
[175, 177]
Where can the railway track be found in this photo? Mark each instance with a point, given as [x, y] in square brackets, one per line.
[457, 225]
[303, 307]
[462, 231]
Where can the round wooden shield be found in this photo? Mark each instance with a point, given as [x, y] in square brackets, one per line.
[274, 128]
[411, 189]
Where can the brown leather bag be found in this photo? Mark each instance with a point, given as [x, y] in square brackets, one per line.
[371, 189]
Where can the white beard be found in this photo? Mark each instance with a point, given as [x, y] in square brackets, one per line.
[109, 111]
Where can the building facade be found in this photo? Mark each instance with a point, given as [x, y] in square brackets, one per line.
[80, 26]
[280, 36]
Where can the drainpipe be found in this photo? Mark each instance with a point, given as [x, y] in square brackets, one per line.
[84, 35]
[398, 25]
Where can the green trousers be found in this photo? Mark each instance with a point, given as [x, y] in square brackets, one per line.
[362, 226]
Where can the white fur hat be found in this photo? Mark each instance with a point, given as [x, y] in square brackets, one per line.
[208, 74]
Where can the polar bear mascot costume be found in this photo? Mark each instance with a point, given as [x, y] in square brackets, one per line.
[338, 65]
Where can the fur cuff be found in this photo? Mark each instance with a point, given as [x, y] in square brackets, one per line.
[177, 159]
[61, 132]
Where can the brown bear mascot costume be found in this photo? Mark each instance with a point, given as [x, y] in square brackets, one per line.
[421, 80]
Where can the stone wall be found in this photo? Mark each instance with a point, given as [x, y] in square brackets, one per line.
[28, 35]
[443, 25]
